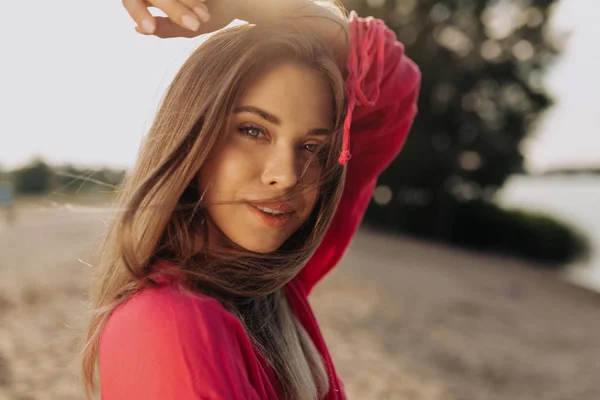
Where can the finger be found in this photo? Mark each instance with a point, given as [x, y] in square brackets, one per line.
[179, 13]
[140, 14]
[141, 31]
[166, 28]
[199, 8]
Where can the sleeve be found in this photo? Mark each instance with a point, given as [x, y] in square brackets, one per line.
[164, 344]
[382, 87]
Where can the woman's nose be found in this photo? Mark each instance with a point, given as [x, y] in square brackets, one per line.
[281, 169]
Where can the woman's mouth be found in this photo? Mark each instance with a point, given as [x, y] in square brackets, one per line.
[275, 217]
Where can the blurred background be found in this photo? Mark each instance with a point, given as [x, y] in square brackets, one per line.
[476, 274]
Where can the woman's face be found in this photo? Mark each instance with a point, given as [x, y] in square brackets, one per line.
[274, 130]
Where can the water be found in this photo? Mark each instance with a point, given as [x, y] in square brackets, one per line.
[574, 199]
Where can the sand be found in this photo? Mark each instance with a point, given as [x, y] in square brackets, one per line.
[404, 319]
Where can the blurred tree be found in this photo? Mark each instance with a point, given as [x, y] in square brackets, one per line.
[73, 180]
[113, 177]
[482, 63]
[35, 178]
[69, 179]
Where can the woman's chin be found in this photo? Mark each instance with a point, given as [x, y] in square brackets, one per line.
[259, 247]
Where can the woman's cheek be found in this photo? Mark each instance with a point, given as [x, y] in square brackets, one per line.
[238, 162]
[226, 170]
[311, 172]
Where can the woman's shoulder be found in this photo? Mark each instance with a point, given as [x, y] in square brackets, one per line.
[186, 345]
[167, 306]
[167, 311]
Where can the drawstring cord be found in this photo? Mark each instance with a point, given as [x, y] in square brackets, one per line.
[372, 44]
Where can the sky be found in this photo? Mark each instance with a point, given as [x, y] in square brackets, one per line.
[79, 85]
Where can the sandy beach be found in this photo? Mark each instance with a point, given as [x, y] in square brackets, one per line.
[404, 319]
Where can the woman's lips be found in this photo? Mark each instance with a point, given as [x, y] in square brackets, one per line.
[285, 207]
[274, 221]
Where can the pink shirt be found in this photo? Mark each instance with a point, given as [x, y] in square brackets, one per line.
[166, 343]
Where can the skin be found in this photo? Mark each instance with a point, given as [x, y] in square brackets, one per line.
[191, 18]
[262, 160]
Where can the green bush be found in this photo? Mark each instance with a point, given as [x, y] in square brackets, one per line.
[485, 226]
[530, 235]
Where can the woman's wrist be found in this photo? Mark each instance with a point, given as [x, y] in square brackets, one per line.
[328, 25]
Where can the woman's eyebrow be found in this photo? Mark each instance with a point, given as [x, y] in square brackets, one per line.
[320, 132]
[261, 113]
[276, 121]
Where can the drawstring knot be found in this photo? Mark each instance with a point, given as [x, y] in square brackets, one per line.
[344, 156]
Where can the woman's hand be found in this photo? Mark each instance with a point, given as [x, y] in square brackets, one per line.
[191, 18]
[185, 18]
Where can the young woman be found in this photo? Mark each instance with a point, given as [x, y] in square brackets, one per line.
[248, 189]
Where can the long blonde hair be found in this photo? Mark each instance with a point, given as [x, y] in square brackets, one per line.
[163, 215]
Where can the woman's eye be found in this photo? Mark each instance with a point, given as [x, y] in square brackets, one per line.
[311, 147]
[252, 131]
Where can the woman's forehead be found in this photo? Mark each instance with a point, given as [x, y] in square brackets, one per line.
[291, 92]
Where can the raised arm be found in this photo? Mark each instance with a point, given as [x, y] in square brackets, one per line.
[192, 18]
[383, 86]
[321, 17]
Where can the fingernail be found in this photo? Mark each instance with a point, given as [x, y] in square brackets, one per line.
[202, 14]
[147, 26]
[190, 22]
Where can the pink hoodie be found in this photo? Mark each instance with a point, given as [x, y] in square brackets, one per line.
[164, 343]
